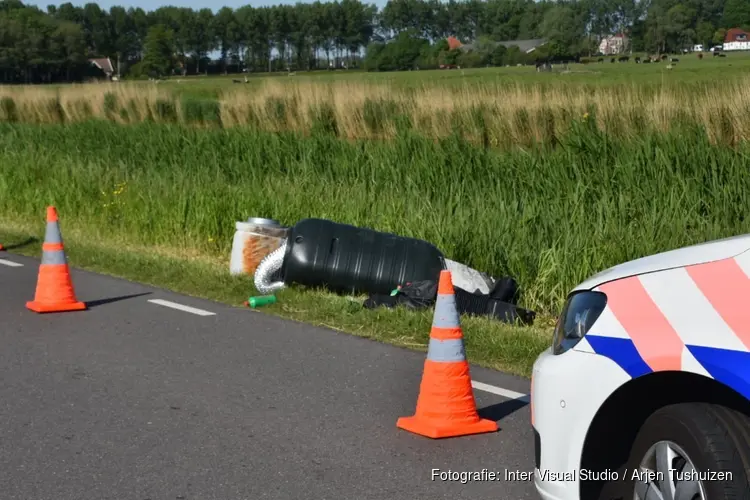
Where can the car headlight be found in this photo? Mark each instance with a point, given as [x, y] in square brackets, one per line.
[580, 312]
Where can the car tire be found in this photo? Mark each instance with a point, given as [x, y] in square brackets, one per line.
[716, 439]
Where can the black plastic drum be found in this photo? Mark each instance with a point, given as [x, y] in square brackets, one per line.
[349, 259]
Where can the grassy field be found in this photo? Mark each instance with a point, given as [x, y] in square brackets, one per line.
[495, 107]
[149, 179]
[688, 71]
[151, 193]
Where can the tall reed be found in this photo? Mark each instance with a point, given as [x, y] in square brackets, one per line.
[491, 114]
[548, 217]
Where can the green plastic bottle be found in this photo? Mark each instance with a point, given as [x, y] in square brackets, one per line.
[261, 301]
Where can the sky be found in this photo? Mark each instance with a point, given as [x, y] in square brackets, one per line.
[193, 4]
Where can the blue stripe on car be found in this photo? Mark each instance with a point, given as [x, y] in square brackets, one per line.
[622, 352]
[731, 368]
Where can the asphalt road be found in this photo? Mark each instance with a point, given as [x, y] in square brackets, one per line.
[132, 400]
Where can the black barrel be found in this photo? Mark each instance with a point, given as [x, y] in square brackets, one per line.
[349, 259]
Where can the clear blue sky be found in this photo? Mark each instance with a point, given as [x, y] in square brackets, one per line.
[194, 4]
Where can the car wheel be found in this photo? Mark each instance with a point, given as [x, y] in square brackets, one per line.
[690, 451]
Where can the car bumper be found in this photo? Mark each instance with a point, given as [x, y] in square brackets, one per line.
[564, 402]
[542, 489]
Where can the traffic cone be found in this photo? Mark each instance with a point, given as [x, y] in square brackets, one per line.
[54, 288]
[446, 405]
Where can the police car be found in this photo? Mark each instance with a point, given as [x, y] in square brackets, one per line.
[645, 392]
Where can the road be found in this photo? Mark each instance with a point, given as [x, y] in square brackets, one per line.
[135, 400]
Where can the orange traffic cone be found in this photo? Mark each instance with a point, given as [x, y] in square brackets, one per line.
[1, 247]
[54, 288]
[446, 405]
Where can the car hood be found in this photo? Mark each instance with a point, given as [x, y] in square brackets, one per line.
[687, 256]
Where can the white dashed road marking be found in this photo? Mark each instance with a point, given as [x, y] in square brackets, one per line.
[10, 263]
[500, 391]
[180, 307]
[480, 386]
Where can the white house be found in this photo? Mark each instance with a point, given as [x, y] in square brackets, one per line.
[613, 45]
[106, 66]
[736, 39]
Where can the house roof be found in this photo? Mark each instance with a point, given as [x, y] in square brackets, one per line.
[103, 63]
[523, 45]
[733, 33]
[612, 38]
[453, 43]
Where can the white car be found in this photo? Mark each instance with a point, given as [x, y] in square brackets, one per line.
[645, 392]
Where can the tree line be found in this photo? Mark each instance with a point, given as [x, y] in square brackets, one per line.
[56, 44]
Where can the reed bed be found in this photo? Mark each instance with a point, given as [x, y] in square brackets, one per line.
[489, 114]
[548, 217]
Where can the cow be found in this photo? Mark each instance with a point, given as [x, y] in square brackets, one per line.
[543, 66]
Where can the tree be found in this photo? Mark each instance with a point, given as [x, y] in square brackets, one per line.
[562, 30]
[499, 55]
[704, 32]
[482, 50]
[373, 56]
[43, 46]
[736, 14]
[402, 53]
[200, 37]
[514, 56]
[678, 30]
[719, 36]
[158, 58]
[70, 47]
[225, 32]
[125, 43]
[98, 32]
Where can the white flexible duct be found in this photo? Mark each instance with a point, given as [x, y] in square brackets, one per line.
[268, 267]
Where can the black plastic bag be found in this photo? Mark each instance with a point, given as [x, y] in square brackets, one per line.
[417, 295]
[499, 304]
[505, 290]
[487, 305]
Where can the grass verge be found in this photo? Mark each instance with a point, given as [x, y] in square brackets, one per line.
[549, 217]
[488, 343]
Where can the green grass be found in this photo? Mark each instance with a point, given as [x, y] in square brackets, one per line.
[488, 343]
[158, 203]
[688, 71]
